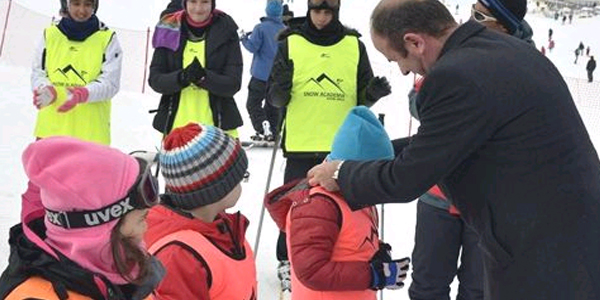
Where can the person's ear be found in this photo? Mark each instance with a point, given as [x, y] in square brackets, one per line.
[414, 43]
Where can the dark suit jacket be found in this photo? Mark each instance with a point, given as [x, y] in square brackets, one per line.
[500, 131]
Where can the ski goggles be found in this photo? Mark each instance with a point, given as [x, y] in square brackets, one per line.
[145, 191]
[331, 4]
[143, 194]
[481, 17]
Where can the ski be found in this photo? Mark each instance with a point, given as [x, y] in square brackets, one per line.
[259, 144]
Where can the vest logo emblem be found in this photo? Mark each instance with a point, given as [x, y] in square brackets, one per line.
[325, 55]
[69, 71]
[325, 87]
[73, 49]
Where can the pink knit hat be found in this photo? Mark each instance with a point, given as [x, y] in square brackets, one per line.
[76, 175]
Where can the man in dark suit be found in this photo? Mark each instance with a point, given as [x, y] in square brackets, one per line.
[501, 136]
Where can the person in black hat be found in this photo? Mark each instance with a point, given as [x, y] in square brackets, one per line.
[287, 14]
[64, 7]
[504, 16]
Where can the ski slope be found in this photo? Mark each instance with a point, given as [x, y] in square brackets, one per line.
[132, 130]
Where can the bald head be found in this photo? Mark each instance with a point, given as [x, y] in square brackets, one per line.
[392, 19]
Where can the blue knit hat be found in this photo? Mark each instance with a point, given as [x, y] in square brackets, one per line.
[274, 8]
[201, 164]
[361, 137]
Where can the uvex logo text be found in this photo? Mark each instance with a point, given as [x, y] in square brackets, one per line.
[115, 211]
[54, 218]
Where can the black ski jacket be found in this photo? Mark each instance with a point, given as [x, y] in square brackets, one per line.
[223, 75]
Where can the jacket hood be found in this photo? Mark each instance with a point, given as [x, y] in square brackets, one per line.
[279, 201]
[525, 33]
[227, 232]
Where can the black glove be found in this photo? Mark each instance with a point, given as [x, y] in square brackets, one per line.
[384, 253]
[376, 88]
[386, 272]
[193, 73]
[283, 72]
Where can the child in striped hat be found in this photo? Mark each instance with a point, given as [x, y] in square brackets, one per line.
[202, 247]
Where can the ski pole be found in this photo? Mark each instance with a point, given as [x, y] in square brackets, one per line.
[165, 131]
[267, 186]
[381, 118]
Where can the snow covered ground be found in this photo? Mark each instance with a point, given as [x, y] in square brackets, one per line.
[132, 130]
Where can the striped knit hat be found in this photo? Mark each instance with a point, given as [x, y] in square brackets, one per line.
[201, 164]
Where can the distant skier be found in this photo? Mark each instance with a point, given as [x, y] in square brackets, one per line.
[570, 18]
[543, 50]
[590, 67]
[577, 52]
[287, 14]
[550, 32]
[587, 51]
[550, 45]
[564, 19]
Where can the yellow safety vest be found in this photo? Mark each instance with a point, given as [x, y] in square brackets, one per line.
[323, 92]
[194, 101]
[73, 64]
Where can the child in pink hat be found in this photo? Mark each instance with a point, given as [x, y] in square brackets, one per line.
[86, 240]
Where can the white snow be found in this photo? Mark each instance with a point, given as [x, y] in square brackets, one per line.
[131, 122]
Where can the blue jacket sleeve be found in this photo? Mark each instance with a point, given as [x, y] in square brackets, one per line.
[254, 41]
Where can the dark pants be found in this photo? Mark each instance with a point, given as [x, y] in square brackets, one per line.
[590, 76]
[258, 109]
[295, 168]
[439, 237]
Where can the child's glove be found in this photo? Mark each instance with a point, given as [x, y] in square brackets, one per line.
[377, 88]
[387, 273]
[76, 95]
[384, 253]
[44, 96]
[244, 35]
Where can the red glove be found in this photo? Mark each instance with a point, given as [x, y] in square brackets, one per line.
[44, 96]
[76, 95]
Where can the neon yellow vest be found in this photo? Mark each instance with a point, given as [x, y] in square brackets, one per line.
[194, 101]
[323, 92]
[68, 64]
